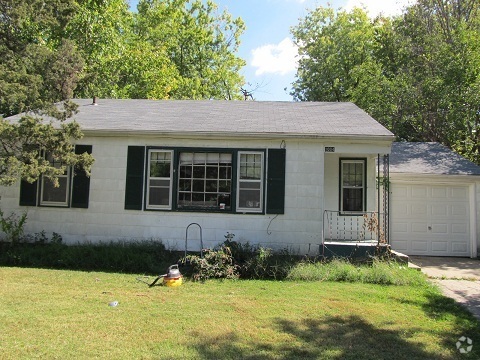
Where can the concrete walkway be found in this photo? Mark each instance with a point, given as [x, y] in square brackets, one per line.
[458, 278]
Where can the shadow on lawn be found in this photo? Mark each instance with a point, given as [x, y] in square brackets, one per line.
[330, 338]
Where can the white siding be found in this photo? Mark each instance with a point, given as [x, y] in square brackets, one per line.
[299, 229]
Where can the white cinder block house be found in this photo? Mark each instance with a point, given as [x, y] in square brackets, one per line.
[282, 174]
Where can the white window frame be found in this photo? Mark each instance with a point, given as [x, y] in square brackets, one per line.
[363, 162]
[66, 176]
[170, 180]
[260, 181]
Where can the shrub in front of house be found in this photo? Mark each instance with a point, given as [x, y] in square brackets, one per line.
[146, 257]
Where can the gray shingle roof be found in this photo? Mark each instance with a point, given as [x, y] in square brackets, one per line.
[429, 158]
[305, 119]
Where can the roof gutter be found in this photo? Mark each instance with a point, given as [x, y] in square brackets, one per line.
[223, 135]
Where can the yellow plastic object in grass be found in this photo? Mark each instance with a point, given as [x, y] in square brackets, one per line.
[172, 282]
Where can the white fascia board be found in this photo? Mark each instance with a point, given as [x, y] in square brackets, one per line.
[222, 135]
[446, 179]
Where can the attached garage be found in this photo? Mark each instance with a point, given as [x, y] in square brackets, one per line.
[434, 201]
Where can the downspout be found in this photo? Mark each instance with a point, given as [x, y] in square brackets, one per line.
[378, 199]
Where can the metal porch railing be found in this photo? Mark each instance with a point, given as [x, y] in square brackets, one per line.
[353, 227]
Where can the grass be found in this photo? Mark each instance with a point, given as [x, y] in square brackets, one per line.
[58, 314]
[378, 272]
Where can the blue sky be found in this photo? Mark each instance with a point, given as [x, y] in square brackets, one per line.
[266, 44]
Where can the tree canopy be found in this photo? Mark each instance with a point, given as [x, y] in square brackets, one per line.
[52, 51]
[417, 73]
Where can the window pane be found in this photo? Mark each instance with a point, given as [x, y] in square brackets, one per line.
[249, 185]
[55, 194]
[250, 166]
[158, 169]
[160, 182]
[249, 199]
[199, 185]
[212, 172]
[159, 196]
[353, 200]
[224, 186]
[185, 185]
[211, 186]
[185, 171]
[199, 172]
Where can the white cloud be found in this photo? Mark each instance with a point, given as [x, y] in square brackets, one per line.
[375, 7]
[275, 58]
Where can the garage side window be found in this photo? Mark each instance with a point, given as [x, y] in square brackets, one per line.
[352, 185]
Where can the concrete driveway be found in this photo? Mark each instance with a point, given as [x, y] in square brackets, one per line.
[458, 278]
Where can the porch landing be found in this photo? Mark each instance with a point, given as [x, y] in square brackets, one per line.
[353, 249]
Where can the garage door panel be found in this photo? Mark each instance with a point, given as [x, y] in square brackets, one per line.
[419, 192]
[460, 193]
[419, 228]
[431, 219]
[439, 210]
[418, 209]
[419, 245]
[439, 246]
[460, 229]
[400, 227]
[459, 210]
[439, 229]
[459, 247]
[400, 245]
[439, 193]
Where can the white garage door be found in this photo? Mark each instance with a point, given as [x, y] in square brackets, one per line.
[430, 220]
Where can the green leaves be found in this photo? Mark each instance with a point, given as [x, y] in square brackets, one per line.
[417, 74]
[23, 146]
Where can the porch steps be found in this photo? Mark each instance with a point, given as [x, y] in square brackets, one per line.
[404, 259]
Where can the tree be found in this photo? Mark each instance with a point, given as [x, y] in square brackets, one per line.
[38, 68]
[200, 43]
[24, 144]
[418, 73]
[332, 45]
[37, 65]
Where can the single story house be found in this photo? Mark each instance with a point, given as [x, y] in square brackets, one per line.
[282, 174]
[435, 201]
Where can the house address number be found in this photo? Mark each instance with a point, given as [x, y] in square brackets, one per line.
[330, 149]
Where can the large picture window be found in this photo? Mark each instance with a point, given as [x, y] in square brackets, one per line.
[352, 188]
[205, 180]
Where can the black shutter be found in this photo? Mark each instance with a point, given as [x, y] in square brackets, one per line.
[81, 182]
[134, 181]
[276, 181]
[28, 193]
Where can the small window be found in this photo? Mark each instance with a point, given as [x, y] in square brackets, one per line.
[250, 182]
[204, 180]
[352, 188]
[52, 195]
[159, 179]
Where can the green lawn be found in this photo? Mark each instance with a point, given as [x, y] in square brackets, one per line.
[49, 314]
